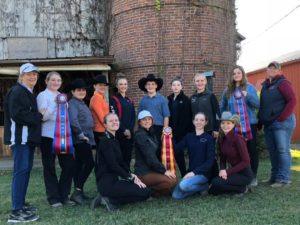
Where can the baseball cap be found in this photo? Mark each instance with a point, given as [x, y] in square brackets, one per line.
[275, 64]
[28, 67]
[143, 114]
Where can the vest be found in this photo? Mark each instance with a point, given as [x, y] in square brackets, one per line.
[272, 102]
[202, 103]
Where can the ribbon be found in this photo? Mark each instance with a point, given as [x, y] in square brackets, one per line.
[62, 143]
[244, 128]
[167, 151]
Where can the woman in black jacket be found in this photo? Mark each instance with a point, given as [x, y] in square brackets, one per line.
[116, 184]
[147, 166]
[180, 119]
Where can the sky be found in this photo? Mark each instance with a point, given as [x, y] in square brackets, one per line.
[266, 37]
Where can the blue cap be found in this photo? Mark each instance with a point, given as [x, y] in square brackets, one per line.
[143, 114]
[228, 116]
[28, 67]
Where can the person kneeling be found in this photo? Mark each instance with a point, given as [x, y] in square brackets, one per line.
[201, 153]
[147, 166]
[233, 150]
[116, 184]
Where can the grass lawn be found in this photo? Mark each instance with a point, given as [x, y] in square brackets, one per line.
[264, 206]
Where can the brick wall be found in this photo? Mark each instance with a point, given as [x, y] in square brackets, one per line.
[181, 38]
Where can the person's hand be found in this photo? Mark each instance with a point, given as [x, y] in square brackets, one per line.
[43, 111]
[127, 134]
[138, 182]
[215, 134]
[245, 93]
[189, 175]
[85, 138]
[169, 174]
[223, 174]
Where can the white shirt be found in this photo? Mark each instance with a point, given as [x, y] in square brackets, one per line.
[46, 99]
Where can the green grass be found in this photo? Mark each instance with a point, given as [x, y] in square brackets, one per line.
[264, 206]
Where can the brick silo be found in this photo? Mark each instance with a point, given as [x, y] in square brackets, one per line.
[173, 37]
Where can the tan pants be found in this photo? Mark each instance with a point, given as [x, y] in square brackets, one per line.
[159, 183]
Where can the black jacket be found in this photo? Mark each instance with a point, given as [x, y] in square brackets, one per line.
[181, 115]
[146, 146]
[110, 160]
[22, 120]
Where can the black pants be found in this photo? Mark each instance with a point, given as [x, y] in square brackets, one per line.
[180, 160]
[126, 147]
[56, 189]
[158, 132]
[235, 183]
[121, 191]
[252, 150]
[84, 164]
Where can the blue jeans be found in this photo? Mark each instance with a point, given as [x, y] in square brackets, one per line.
[23, 160]
[278, 138]
[190, 186]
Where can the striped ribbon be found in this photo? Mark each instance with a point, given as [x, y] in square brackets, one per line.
[62, 143]
[245, 127]
[167, 151]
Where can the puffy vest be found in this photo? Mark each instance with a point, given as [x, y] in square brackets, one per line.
[272, 102]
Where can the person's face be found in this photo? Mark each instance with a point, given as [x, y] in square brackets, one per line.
[146, 122]
[200, 82]
[29, 79]
[54, 82]
[227, 126]
[151, 87]
[101, 88]
[79, 93]
[112, 123]
[199, 121]
[273, 71]
[176, 87]
[122, 86]
[237, 75]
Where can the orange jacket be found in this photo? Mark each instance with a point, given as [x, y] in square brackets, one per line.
[99, 108]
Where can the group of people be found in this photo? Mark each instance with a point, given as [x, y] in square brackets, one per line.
[199, 124]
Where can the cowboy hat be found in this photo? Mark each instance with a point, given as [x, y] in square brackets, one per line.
[228, 116]
[100, 79]
[150, 77]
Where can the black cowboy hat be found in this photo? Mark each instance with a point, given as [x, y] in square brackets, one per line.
[77, 83]
[100, 79]
[150, 77]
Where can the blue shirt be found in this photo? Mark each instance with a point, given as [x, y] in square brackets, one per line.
[157, 106]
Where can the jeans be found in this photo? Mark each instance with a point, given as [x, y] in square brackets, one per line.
[190, 186]
[23, 160]
[278, 138]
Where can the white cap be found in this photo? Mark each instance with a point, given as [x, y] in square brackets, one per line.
[143, 114]
[28, 67]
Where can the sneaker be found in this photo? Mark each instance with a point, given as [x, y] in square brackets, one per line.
[110, 207]
[253, 183]
[77, 197]
[68, 202]
[268, 181]
[96, 202]
[86, 197]
[279, 184]
[28, 207]
[22, 216]
[56, 204]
